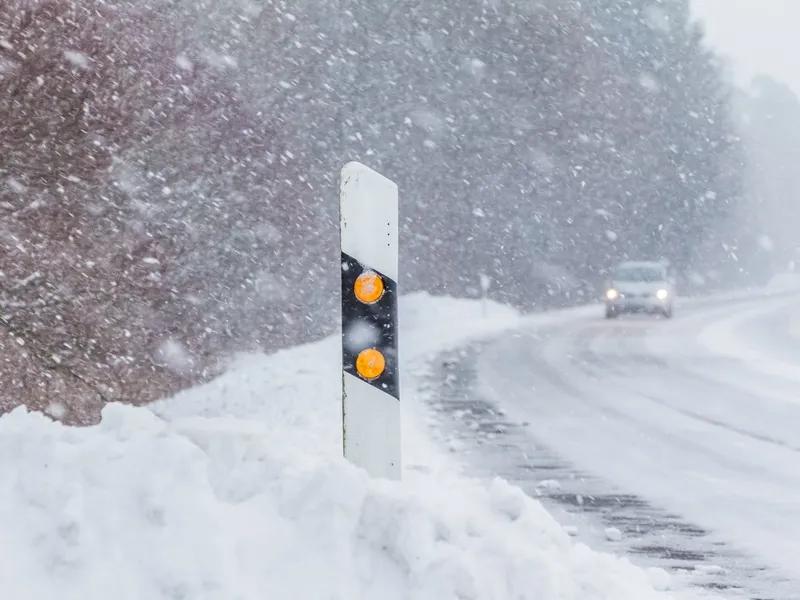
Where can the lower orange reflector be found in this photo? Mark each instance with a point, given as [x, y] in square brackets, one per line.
[370, 364]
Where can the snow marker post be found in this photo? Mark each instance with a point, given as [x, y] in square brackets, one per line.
[485, 283]
[368, 215]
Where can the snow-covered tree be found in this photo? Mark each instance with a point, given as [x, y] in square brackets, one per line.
[135, 189]
[168, 167]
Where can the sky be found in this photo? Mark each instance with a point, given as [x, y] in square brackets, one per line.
[758, 36]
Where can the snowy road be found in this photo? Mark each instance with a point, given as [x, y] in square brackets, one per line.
[698, 416]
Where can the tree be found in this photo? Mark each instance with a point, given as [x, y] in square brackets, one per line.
[105, 113]
[533, 142]
[540, 143]
[78, 85]
[681, 141]
[769, 118]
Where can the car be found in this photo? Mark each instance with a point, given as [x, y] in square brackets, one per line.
[641, 286]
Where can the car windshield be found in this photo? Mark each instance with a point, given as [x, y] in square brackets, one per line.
[639, 273]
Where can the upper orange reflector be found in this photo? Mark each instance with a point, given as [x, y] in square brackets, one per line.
[370, 364]
[369, 287]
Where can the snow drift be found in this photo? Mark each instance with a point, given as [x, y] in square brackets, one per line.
[236, 491]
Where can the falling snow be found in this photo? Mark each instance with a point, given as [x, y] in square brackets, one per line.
[168, 206]
[174, 355]
[184, 62]
[534, 143]
[77, 59]
[360, 335]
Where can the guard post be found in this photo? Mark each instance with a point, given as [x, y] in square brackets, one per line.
[368, 214]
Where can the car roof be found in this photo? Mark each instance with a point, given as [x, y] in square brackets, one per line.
[641, 263]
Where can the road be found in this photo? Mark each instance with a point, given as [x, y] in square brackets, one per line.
[677, 442]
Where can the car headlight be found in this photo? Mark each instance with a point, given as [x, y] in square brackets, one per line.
[611, 294]
[662, 294]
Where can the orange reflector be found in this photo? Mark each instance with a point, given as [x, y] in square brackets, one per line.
[369, 287]
[370, 364]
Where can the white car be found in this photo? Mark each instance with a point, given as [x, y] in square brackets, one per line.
[640, 287]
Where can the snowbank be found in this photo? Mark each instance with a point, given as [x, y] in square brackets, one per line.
[784, 282]
[131, 509]
[294, 393]
[189, 502]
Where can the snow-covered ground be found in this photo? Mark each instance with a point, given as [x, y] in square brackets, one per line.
[237, 490]
[698, 415]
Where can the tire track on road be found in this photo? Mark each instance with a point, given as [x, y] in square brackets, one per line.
[493, 444]
[621, 363]
[590, 403]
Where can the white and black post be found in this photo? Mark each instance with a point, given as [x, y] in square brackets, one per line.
[368, 205]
